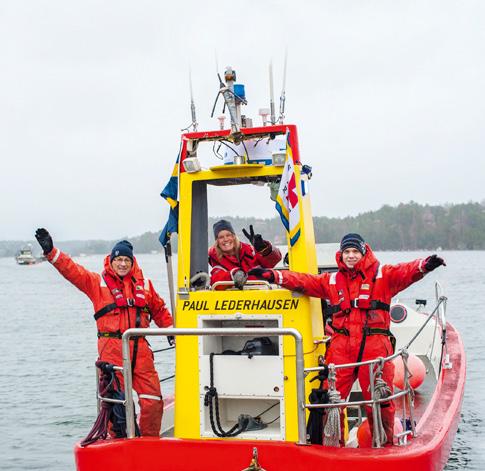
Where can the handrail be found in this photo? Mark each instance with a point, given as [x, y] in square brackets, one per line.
[442, 317]
[100, 398]
[441, 300]
[390, 357]
[226, 331]
[301, 372]
[442, 310]
[358, 403]
[248, 282]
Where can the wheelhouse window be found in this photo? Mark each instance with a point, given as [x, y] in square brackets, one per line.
[239, 200]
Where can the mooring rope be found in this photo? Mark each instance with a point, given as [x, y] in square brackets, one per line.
[381, 391]
[332, 431]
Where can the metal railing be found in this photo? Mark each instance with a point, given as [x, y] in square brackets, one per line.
[249, 283]
[405, 393]
[301, 371]
[441, 319]
[300, 384]
[100, 398]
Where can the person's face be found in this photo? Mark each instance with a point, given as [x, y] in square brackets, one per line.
[351, 257]
[226, 241]
[121, 265]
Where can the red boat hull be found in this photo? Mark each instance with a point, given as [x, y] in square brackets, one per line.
[428, 451]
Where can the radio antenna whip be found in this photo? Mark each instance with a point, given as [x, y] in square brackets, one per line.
[282, 96]
[271, 94]
[192, 104]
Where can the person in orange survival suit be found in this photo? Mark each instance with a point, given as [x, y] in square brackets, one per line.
[358, 297]
[231, 259]
[122, 298]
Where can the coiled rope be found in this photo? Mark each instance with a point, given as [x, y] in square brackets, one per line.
[381, 391]
[332, 431]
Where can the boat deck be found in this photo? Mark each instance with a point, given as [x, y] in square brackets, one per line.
[428, 451]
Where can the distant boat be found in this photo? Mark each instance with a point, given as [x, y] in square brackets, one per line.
[24, 256]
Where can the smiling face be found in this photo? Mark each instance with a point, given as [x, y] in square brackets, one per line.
[351, 257]
[226, 241]
[121, 265]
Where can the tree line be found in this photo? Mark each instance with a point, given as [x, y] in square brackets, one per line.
[408, 226]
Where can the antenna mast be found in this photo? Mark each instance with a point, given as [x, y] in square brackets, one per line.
[192, 104]
[271, 94]
[283, 97]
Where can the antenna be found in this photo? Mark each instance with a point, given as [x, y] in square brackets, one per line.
[271, 94]
[282, 96]
[194, 123]
[192, 104]
[227, 92]
[229, 99]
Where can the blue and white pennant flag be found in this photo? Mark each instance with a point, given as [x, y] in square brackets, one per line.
[287, 203]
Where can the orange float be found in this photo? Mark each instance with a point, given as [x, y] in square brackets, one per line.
[364, 436]
[417, 371]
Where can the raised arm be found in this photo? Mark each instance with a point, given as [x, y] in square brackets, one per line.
[81, 278]
[311, 285]
[400, 276]
[266, 255]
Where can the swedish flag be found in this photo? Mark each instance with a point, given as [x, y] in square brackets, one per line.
[170, 193]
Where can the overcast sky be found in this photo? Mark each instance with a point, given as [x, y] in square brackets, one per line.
[388, 97]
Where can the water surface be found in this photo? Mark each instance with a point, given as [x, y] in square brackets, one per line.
[48, 339]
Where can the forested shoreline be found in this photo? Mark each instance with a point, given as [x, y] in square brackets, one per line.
[408, 226]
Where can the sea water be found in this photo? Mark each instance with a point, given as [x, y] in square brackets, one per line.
[48, 345]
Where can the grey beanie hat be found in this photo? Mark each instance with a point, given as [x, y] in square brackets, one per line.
[222, 225]
[353, 240]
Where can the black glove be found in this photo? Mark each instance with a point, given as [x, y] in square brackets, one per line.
[45, 240]
[256, 239]
[263, 274]
[200, 280]
[432, 262]
[239, 277]
[171, 340]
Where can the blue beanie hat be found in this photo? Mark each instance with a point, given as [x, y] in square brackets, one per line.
[222, 225]
[353, 240]
[122, 249]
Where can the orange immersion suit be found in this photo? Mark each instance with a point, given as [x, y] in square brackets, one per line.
[367, 290]
[247, 258]
[116, 320]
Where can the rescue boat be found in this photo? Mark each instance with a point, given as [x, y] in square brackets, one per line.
[245, 358]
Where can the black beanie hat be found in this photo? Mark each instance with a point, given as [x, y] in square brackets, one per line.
[222, 225]
[122, 249]
[353, 240]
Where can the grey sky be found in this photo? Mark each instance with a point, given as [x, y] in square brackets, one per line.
[388, 97]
